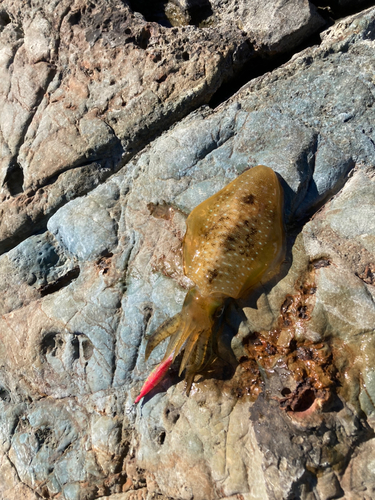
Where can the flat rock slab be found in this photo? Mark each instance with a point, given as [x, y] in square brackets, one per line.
[80, 298]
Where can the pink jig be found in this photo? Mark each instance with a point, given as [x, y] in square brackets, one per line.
[155, 377]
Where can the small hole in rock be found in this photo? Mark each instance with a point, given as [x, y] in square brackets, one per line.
[4, 395]
[43, 434]
[286, 391]
[75, 346]
[306, 401]
[175, 417]
[75, 18]
[48, 343]
[14, 179]
[4, 18]
[87, 349]
[161, 438]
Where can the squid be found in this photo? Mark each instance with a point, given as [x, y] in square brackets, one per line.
[233, 240]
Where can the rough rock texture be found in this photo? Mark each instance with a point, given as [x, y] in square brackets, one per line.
[92, 221]
[85, 85]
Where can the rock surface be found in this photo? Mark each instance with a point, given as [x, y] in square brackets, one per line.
[107, 145]
[87, 85]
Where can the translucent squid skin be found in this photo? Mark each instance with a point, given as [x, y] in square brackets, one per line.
[233, 240]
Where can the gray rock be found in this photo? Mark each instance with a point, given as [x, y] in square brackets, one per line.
[17, 223]
[80, 298]
[85, 227]
[260, 21]
[359, 476]
[31, 269]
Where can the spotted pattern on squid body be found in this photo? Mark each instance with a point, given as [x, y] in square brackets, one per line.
[236, 235]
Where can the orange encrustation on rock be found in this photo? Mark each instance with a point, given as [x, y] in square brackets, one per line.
[233, 240]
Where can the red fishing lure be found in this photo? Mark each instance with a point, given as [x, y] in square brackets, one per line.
[155, 377]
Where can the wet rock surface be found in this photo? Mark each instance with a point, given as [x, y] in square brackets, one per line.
[107, 145]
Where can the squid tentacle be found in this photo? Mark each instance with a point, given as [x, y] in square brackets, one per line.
[165, 330]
